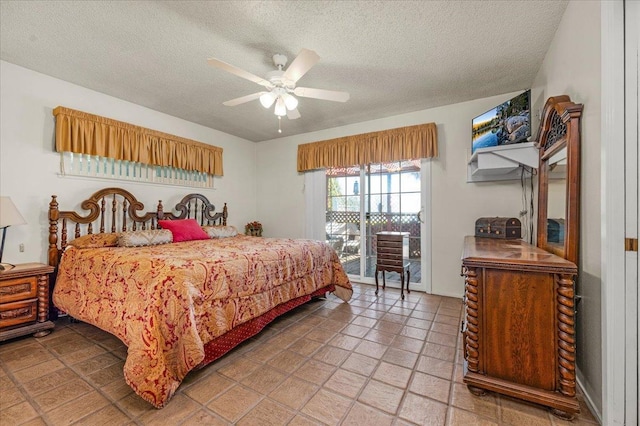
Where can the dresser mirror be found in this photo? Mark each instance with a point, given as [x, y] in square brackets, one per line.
[557, 198]
[559, 178]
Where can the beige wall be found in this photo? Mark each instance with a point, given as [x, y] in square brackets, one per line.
[29, 167]
[456, 204]
[572, 67]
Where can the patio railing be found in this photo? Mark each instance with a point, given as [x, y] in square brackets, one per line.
[376, 222]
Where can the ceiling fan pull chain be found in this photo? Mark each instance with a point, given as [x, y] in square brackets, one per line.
[279, 122]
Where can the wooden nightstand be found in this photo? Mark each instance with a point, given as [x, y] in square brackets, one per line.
[24, 301]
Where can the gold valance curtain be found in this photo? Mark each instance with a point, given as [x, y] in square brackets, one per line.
[403, 143]
[83, 133]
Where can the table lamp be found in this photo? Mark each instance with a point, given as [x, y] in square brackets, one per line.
[9, 215]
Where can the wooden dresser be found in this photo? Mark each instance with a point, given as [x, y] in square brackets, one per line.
[391, 255]
[518, 328]
[24, 301]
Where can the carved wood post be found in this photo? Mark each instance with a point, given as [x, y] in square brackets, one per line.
[53, 232]
[102, 210]
[124, 215]
[63, 234]
[114, 209]
[224, 214]
[566, 335]
[471, 337]
[43, 298]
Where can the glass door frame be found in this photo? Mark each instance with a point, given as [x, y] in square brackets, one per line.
[425, 228]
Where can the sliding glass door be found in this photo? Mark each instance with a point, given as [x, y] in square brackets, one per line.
[362, 201]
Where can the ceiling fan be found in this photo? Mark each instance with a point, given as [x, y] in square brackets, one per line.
[281, 85]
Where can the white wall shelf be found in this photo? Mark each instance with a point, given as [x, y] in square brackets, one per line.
[501, 162]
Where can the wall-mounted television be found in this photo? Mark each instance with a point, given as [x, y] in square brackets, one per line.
[507, 123]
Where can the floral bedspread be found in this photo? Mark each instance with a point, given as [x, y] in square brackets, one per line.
[166, 302]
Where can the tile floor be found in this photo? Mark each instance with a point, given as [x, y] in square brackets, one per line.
[374, 361]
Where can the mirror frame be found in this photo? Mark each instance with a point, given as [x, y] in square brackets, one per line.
[559, 128]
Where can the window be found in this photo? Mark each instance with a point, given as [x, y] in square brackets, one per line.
[101, 147]
[92, 166]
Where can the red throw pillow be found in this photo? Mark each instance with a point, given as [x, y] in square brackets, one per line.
[184, 229]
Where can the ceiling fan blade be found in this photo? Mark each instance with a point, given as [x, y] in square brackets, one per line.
[243, 99]
[293, 114]
[239, 72]
[327, 95]
[301, 64]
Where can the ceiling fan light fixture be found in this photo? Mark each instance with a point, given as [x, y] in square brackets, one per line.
[279, 86]
[290, 101]
[267, 99]
[280, 109]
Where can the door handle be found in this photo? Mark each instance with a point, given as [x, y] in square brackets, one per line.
[420, 216]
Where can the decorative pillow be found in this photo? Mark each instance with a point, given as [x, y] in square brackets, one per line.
[95, 241]
[184, 229]
[149, 237]
[220, 231]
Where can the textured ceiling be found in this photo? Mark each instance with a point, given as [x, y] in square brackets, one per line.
[393, 57]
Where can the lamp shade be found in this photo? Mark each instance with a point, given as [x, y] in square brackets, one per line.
[9, 214]
[280, 109]
[267, 99]
[290, 102]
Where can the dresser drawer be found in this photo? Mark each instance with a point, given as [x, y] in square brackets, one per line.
[390, 263]
[18, 289]
[390, 242]
[388, 260]
[390, 252]
[15, 313]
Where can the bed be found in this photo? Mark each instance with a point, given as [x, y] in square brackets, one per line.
[181, 305]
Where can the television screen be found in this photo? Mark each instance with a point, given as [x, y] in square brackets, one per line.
[508, 123]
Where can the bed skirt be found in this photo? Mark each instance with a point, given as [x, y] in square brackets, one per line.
[232, 338]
